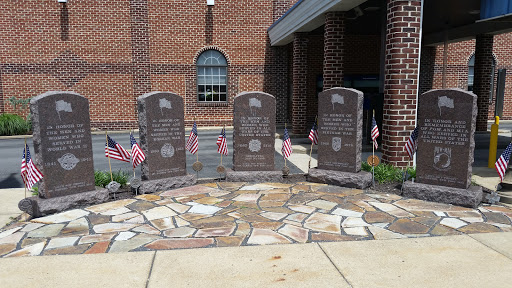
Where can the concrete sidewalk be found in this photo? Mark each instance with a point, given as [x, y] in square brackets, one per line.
[9, 204]
[478, 260]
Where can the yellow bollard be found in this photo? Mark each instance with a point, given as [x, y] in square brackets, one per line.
[493, 144]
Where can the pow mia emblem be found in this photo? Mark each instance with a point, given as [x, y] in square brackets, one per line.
[167, 151]
[442, 158]
[336, 144]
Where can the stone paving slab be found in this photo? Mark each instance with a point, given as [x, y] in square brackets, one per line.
[452, 261]
[244, 214]
[268, 266]
[95, 270]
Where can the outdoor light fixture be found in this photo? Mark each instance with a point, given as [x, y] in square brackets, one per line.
[210, 2]
[62, 1]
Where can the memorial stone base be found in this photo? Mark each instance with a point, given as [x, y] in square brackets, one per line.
[152, 186]
[470, 197]
[37, 207]
[254, 176]
[359, 180]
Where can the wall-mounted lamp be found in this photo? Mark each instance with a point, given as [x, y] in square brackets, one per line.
[210, 2]
[62, 1]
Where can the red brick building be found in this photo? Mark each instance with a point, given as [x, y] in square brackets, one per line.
[113, 51]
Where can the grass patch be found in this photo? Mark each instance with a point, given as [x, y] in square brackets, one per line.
[386, 173]
[102, 178]
[11, 124]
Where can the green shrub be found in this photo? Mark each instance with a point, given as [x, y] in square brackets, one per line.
[386, 173]
[11, 124]
[102, 178]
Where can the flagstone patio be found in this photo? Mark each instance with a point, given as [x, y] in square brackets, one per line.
[234, 214]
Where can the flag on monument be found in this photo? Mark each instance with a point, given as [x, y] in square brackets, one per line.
[114, 150]
[29, 172]
[137, 155]
[375, 133]
[287, 145]
[192, 143]
[502, 163]
[222, 143]
[313, 134]
[412, 144]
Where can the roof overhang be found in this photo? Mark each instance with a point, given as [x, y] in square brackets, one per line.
[492, 26]
[305, 16]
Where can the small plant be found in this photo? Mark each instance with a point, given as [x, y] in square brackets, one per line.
[15, 102]
[102, 178]
[11, 124]
[35, 191]
[386, 173]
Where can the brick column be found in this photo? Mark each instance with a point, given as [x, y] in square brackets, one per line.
[300, 83]
[482, 83]
[428, 61]
[400, 82]
[334, 38]
[140, 47]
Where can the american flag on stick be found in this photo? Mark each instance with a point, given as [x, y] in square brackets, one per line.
[313, 134]
[502, 163]
[412, 143]
[287, 145]
[29, 172]
[137, 155]
[375, 133]
[192, 143]
[222, 143]
[114, 150]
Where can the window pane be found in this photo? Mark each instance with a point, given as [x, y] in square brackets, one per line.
[200, 88]
[223, 88]
[201, 97]
[222, 70]
[223, 97]
[222, 80]
[201, 80]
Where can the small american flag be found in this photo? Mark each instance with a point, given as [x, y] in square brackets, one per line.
[222, 143]
[502, 163]
[412, 144]
[137, 155]
[192, 143]
[313, 134]
[115, 151]
[375, 133]
[29, 171]
[287, 145]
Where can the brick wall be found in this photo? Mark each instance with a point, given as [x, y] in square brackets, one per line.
[113, 51]
[400, 84]
[457, 68]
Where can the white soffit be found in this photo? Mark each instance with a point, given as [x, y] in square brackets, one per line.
[306, 16]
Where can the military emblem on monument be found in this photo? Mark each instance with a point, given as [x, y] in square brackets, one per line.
[197, 166]
[444, 101]
[255, 145]
[62, 105]
[336, 144]
[68, 161]
[442, 158]
[135, 182]
[164, 103]
[167, 151]
[337, 98]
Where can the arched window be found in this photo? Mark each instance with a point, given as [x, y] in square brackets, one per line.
[471, 72]
[212, 77]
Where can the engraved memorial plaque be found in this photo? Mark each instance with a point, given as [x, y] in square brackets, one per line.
[446, 121]
[340, 122]
[62, 143]
[162, 135]
[254, 131]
